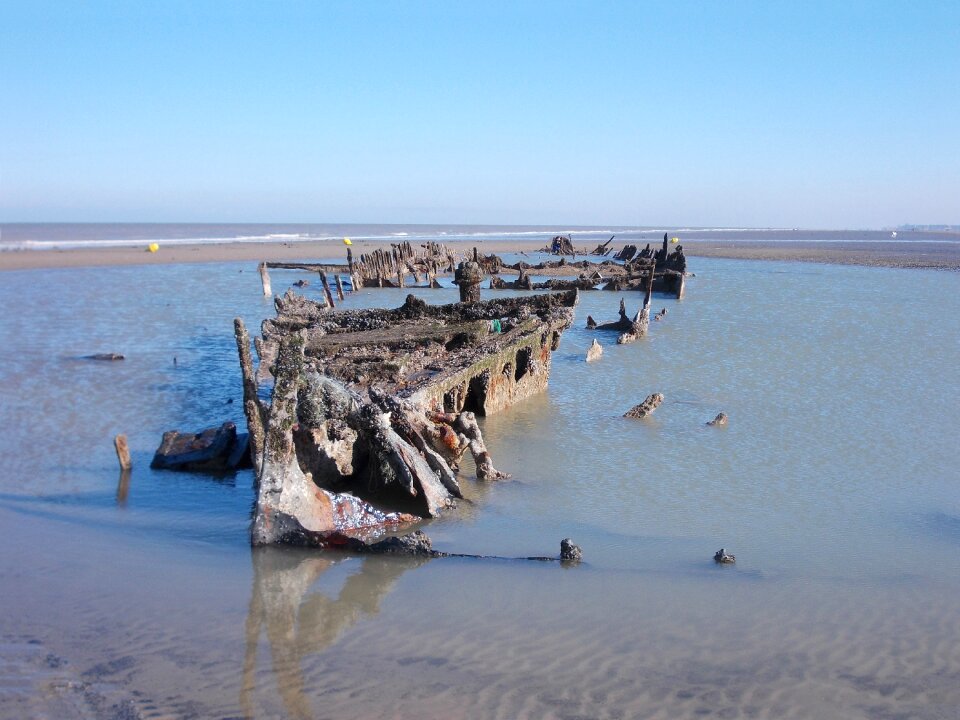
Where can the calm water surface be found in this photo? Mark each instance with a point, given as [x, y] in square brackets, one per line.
[835, 484]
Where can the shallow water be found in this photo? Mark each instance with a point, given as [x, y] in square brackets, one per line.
[835, 484]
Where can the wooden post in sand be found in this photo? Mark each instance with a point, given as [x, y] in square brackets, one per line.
[326, 289]
[123, 452]
[265, 279]
[339, 287]
[353, 273]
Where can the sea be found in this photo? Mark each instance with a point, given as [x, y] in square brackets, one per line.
[836, 484]
[63, 236]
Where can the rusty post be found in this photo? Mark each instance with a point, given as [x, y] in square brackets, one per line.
[339, 287]
[123, 452]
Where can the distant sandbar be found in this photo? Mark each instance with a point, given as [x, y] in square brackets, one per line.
[909, 254]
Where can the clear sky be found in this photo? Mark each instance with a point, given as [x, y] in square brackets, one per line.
[760, 114]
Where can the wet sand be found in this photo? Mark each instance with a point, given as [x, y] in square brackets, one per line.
[912, 254]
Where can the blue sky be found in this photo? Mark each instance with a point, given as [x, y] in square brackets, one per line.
[783, 114]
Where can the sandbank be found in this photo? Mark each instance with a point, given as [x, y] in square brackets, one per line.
[908, 254]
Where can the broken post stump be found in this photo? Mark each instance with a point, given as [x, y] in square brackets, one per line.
[326, 289]
[265, 279]
[594, 351]
[646, 407]
[339, 287]
[468, 278]
[123, 452]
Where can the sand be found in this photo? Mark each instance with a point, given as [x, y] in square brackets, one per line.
[914, 254]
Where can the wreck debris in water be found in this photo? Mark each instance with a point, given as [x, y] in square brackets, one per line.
[666, 270]
[372, 411]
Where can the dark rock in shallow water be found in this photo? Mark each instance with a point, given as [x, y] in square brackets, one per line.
[569, 551]
[211, 450]
[646, 407]
[722, 558]
[104, 356]
[415, 543]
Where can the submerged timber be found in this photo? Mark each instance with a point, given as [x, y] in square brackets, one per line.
[372, 410]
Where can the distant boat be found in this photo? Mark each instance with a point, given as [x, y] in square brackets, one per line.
[893, 234]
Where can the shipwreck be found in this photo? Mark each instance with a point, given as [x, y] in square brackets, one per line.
[358, 420]
[660, 270]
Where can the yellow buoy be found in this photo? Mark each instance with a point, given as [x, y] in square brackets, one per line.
[674, 240]
[346, 241]
[153, 247]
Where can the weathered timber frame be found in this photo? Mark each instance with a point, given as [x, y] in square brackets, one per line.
[372, 410]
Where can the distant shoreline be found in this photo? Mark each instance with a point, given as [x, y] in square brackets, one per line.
[913, 254]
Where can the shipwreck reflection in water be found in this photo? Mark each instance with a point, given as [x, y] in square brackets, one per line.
[300, 620]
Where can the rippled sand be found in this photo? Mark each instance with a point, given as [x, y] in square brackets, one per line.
[388, 637]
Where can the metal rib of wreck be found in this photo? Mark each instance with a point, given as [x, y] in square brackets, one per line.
[372, 410]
